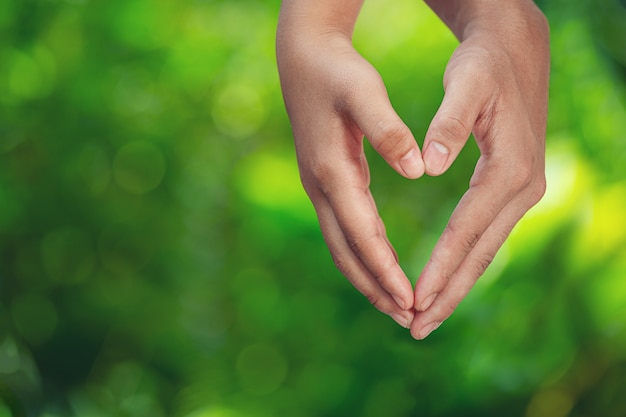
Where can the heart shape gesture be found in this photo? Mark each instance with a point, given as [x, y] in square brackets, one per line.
[496, 87]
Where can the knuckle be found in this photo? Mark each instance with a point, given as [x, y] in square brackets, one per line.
[482, 263]
[373, 299]
[320, 176]
[538, 190]
[355, 245]
[518, 174]
[521, 176]
[359, 244]
[452, 128]
[321, 170]
[468, 239]
[342, 265]
[391, 138]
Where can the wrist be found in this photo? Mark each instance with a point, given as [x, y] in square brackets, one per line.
[306, 19]
[308, 30]
[465, 18]
[523, 21]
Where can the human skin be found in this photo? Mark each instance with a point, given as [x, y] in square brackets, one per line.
[496, 87]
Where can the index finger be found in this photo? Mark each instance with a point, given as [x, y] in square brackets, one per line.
[363, 239]
[492, 188]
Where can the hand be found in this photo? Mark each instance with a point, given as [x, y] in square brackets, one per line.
[334, 97]
[496, 86]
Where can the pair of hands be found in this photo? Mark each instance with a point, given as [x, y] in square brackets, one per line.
[496, 86]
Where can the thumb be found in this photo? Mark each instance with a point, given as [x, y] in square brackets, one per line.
[450, 128]
[372, 112]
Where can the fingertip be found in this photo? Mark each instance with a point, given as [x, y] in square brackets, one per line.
[421, 333]
[415, 331]
[404, 319]
[436, 158]
[412, 164]
[404, 303]
[426, 303]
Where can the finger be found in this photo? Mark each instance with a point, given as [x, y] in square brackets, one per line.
[462, 105]
[337, 181]
[370, 109]
[364, 233]
[472, 267]
[493, 186]
[351, 266]
[343, 184]
[340, 191]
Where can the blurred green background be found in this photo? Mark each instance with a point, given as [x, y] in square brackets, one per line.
[159, 258]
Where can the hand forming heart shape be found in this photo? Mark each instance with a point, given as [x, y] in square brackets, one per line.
[496, 87]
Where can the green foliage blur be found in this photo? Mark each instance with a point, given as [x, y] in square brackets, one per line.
[158, 256]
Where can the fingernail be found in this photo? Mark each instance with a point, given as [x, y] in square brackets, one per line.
[403, 319]
[435, 157]
[412, 164]
[428, 302]
[428, 329]
[401, 303]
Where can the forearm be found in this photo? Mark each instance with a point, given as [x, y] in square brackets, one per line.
[318, 17]
[465, 17]
[309, 37]
[516, 34]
